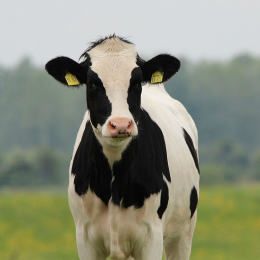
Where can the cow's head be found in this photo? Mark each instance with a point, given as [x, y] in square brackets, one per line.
[113, 73]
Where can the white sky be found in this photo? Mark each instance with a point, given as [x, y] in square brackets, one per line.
[196, 29]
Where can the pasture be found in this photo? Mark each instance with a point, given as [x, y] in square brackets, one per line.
[38, 225]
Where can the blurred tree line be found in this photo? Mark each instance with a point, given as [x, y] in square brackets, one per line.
[40, 119]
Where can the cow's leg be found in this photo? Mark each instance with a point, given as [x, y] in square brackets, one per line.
[86, 251]
[152, 249]
[180, 248]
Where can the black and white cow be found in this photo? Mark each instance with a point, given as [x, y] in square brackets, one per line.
[134, 173]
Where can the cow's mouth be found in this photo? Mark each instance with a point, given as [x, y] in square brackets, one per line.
[121, 136]
[118, 138]
[117, 141]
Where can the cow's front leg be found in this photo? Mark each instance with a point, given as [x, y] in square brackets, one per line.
[86, 250]
[152, 248]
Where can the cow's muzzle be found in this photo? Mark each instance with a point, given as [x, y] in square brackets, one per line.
[120, 127]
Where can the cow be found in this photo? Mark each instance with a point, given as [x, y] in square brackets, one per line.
[134, 173]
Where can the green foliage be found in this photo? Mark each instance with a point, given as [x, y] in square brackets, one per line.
[33, 167]
[37, 112]
[223, 99]
[39, 226]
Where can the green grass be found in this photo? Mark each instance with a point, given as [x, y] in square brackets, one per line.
[228, 224]
[38, 225]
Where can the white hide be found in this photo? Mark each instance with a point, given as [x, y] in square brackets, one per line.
[127, 224]
[110, 231]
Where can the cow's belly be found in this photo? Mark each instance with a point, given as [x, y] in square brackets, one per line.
[111, 230]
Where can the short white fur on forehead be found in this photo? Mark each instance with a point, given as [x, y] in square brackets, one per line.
[113, 60]
[113, 46]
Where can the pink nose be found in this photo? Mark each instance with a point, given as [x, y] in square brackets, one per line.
[120, 126]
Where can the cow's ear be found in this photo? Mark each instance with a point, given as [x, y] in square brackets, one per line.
[160, 68]
[67, 71]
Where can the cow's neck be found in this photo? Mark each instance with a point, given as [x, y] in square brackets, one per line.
[114, 153]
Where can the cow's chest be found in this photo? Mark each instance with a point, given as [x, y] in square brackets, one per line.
[115, 230]
[141, 172]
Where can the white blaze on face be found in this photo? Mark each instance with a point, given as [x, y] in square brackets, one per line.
[114, 60]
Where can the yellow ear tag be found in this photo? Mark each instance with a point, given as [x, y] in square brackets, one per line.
[71, 79]
[157, 77]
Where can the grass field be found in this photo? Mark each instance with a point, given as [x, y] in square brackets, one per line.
[38, 225]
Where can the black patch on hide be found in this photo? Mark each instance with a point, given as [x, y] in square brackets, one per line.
[98, 103]
[193, 201]
[91, 168]
[140, 172]
[192, 149]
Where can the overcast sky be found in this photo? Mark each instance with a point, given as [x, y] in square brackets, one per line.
[196, 29]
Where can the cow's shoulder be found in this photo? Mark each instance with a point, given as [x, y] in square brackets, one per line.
[177, 126]
[168, 112]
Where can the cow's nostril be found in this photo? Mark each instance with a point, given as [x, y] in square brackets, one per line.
[112, 125]
[130, 124]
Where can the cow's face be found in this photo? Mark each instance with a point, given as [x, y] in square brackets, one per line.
[113, 75]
